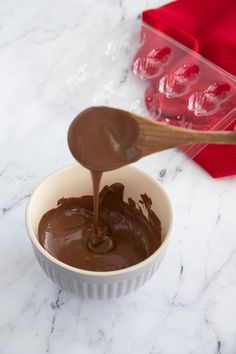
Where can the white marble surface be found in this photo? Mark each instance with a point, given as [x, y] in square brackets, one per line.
[189, 306]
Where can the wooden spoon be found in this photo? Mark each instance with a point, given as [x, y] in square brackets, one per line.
[105, 138]
[155, 136]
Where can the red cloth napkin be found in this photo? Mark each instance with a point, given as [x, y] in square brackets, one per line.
[209, 28]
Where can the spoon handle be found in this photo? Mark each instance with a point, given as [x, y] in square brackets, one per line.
[155, 136]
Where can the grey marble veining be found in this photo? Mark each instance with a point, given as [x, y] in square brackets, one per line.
[189, 306]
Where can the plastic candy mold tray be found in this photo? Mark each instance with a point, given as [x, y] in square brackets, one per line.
[141, 69]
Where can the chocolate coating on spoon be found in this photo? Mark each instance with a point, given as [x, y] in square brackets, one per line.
[103, 139]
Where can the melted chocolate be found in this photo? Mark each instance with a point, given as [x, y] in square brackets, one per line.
[103, 139]
[125, 236]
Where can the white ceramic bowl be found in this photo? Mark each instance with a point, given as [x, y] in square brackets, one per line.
[74, 181]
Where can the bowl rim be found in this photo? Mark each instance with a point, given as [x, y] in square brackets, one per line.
[39, 247]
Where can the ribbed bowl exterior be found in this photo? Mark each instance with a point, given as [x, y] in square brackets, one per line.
[98, 287]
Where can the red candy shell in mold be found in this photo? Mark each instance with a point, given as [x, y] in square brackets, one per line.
[152, 64]
[145, 68]
[160, 54]
[208, 102]
[179, 82]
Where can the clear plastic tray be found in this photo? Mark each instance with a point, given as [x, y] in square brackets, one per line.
[140, 69]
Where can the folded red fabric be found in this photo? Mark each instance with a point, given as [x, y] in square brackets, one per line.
[209, 28]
